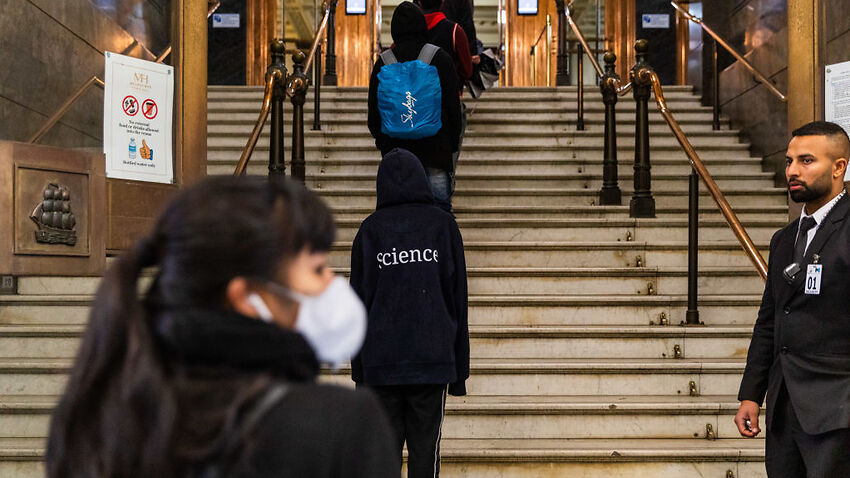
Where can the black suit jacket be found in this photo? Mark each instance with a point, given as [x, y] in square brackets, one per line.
[804, 340]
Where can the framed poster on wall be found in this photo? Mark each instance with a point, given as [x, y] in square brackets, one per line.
[355, 7]
[526, 7]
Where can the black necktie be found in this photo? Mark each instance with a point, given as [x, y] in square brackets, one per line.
[806, 224]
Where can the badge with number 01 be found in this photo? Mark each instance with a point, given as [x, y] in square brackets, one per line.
[813, 275]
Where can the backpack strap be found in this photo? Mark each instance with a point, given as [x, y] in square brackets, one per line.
[226, 455]
[388, 57]
[426, 54]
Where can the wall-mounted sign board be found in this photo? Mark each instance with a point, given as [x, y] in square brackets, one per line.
[526, 7]
[655, 20]
[225, 20]
[355, 7]
[837, 97]
[137, 119]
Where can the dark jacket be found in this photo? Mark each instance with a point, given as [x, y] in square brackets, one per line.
[803, 340]
[462, 12]
[308, 432]
[449, 36]
[410, 33]
[408, 267]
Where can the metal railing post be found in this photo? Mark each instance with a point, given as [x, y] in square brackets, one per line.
[330, 78]
[277, 161]
[642, 203]
[317, 85]
[580, 80]
[533, 61]
[297, 90]
[610, 193]
[562, 74]
[715, 74]
[692, 314]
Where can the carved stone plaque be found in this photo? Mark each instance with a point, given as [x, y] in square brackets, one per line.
[46, 203]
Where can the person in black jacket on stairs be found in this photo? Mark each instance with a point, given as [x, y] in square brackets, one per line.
[408, 267]
[410, 34]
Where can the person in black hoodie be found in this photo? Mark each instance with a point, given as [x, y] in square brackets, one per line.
[211, 371]
[410, 34]
[408, 267]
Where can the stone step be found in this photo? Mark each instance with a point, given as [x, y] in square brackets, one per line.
[482, 126]
[508, 310]
[490, 198]
[502, 376]
[593, 377]
[316, 166]
[592, 229]
[707, 212]
[585, 254]
[510, 458]
[514, 142]
[592, 116]
[660, 182]
[490, 341]
[492, 417]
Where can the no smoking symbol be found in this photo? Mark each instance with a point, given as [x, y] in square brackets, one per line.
[149, 109]
[130, 105]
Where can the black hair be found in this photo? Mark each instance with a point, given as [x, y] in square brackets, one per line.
[824, 128]
[430, 5]
[121, 414]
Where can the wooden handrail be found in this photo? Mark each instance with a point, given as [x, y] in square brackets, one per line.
[647, 74]
[759, 76]
[319, 34]
[272, 78]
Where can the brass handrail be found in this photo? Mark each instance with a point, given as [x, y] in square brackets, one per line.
[575, 29]
[274, 76]
[94, 80]
[760, 77]
[647, 74]
[319, 34]
[54, 118]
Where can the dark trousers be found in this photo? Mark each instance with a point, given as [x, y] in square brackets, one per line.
[792, 453]
[416, 414]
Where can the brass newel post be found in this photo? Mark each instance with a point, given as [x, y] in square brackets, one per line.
[610, 193]
[330, 60]
[297, 90]
[562, 74]
[277, 162]
[642, 203]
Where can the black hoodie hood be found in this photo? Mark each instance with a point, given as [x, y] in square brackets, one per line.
[402, 180]
[408, 25]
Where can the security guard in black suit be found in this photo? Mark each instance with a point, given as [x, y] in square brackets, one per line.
[799, 356]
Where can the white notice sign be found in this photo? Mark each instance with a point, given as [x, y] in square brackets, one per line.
[655, 20]
[137, 106]
[837, 96]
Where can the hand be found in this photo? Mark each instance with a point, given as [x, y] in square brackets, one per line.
[476, 59]
[145, 152]
[749, 410]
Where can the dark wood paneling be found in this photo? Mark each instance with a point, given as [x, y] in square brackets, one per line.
[133, 208]
[354, 40]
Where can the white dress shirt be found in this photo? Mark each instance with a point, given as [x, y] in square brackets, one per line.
[819, 216]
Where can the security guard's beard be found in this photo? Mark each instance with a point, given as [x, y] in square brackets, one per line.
[818, 189]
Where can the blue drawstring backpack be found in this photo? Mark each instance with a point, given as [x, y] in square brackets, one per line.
[409, 96]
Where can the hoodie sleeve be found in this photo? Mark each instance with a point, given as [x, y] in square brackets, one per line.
[374, 119]
[363, 282]
[461, 310]
[451, 99]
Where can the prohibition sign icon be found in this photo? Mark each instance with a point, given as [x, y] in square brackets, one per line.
[149, 109]
[130, 105]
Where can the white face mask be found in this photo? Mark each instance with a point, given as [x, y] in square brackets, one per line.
[333, 322]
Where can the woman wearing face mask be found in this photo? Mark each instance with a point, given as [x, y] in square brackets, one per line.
[211, 371]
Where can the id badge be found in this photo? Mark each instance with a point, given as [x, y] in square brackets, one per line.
[813, 277]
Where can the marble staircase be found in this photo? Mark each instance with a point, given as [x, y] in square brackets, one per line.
[579, 365]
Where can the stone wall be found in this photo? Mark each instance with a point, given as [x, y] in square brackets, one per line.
[51, 47]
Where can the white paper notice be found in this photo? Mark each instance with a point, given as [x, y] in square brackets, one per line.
[137, 107]
[837, 96]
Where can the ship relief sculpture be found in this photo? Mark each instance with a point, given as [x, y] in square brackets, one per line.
[54, 217]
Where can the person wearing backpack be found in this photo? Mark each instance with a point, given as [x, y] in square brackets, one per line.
[408, 268]
[404, 111]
